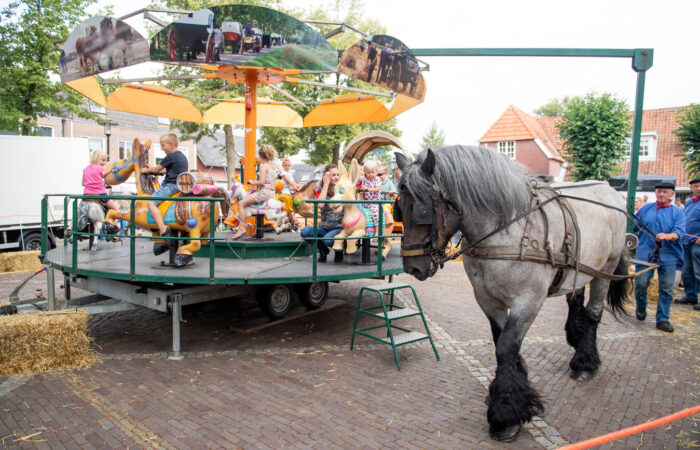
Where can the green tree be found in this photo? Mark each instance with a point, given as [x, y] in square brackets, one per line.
[435, 137]
[595, 129]
[554, 107]
[29, 86]
[689, 135]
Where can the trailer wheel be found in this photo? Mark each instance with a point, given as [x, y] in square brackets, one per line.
[313, 295]
[32, 241]
[275, 301]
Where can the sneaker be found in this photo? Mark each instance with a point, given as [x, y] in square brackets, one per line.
[684, 301]
[664, 326]
[641, 314]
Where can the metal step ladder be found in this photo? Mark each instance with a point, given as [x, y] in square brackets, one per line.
[388, 314]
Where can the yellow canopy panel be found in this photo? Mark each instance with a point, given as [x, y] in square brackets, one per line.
[90, 88]
[269, 114]
[346, 109]
[153, 100]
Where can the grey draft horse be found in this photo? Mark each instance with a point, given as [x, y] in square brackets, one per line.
[477, 191]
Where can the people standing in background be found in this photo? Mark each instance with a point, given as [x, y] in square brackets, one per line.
[667, 224]
[691, 248]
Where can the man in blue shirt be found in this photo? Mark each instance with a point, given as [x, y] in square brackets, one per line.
[667, 223]
[691, 247]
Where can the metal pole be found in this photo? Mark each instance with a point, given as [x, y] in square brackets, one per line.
[643, 60]
[175, 305]
[50, 288]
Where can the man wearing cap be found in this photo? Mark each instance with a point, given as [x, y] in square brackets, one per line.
[691, 247]
[667, 223]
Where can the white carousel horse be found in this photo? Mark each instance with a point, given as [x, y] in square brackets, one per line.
[272, 209]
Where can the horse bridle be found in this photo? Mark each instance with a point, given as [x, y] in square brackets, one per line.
[424, 215]
[117, 169]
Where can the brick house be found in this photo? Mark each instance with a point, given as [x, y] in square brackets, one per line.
[534, 143]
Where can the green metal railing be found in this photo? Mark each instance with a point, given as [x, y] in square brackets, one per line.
[380, 227]
[75, 233]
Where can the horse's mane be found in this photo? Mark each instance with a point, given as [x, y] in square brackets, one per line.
[145, 180]
[476, 179]
[306, 186]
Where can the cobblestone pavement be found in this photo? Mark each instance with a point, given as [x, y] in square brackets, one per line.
[298, 385]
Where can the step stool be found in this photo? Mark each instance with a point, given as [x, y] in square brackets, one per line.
[389, 313]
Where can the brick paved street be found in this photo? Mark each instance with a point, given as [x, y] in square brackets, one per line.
[297, 384]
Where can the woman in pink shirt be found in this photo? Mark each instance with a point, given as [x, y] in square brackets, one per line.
[93, 179]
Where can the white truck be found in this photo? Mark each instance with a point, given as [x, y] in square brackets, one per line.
[34, 166]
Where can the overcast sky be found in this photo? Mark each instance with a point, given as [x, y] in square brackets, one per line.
[466, 95]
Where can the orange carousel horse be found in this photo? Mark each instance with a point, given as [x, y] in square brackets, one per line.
[192, 217]
[358, 221]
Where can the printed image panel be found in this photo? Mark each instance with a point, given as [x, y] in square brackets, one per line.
[243, 35]
[384, 61]
[101, 44]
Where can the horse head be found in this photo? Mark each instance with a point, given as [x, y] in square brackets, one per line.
[346, 187]
[429, 222]
[120, 171]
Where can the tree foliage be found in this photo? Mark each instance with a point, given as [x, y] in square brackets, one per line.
[688, 134]
[554, 107]
[595, 129]
[435, 137]
[29, 86]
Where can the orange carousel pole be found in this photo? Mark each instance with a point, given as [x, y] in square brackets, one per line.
[251, 120]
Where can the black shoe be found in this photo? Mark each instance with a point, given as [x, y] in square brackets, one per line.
[323, 254]
[338, 256]
[684, 301]
[168, 232]
[664, 326]
[697, 307]
[641, 314]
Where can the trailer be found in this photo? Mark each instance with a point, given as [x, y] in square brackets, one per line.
[29, 160]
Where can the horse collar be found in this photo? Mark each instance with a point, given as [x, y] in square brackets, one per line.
[354, 221]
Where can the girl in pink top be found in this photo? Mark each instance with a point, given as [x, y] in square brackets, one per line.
[93, 179]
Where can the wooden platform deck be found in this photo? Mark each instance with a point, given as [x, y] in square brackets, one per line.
[112, 261]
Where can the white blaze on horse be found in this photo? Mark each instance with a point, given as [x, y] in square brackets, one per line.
[357, 221]
[522, 242]
[272, 209]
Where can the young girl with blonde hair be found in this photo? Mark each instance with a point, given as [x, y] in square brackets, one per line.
[267, 175]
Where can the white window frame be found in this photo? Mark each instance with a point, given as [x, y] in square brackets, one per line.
[92, 138]
[50, 128]
[127, 149]
[506, 147]
[648, 144]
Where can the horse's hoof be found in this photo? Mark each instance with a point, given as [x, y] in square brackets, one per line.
[159, 249]
[182, 260]
[508, 434]
[581, 375]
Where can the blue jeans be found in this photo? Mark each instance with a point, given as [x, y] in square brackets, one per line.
[166, 190]
[307, 232]
[691, 271]
[667, 275]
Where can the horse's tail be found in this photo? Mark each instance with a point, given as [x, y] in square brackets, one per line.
[619, 290]
[226, 204]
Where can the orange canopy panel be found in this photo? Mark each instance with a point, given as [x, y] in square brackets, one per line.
[403, 103]
[153, 100]
[269, 114]
[90, 88]
[346, 109]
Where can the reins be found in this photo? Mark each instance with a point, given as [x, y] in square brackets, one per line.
[556, 195]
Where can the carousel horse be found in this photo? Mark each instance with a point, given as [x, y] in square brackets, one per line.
[192, 217]
[521, 243]
[273, 210]
[357, 221]
[306, 192]
[91, 219]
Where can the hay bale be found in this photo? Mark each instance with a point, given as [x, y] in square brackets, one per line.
[37, 342]
[19, 261]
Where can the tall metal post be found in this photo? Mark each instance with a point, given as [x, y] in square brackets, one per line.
[641, 62]
[176, 308]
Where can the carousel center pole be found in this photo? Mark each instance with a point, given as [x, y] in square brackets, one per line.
[251, 119]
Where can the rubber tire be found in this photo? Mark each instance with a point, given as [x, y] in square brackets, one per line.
[32, 241]
[275, 300]
[313, 295]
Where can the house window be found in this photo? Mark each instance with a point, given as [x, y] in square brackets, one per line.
[507, 148]
[124, 149]
[160, 154]
[45, 131]
[647, 147]
[95, 143]
[163, 121]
